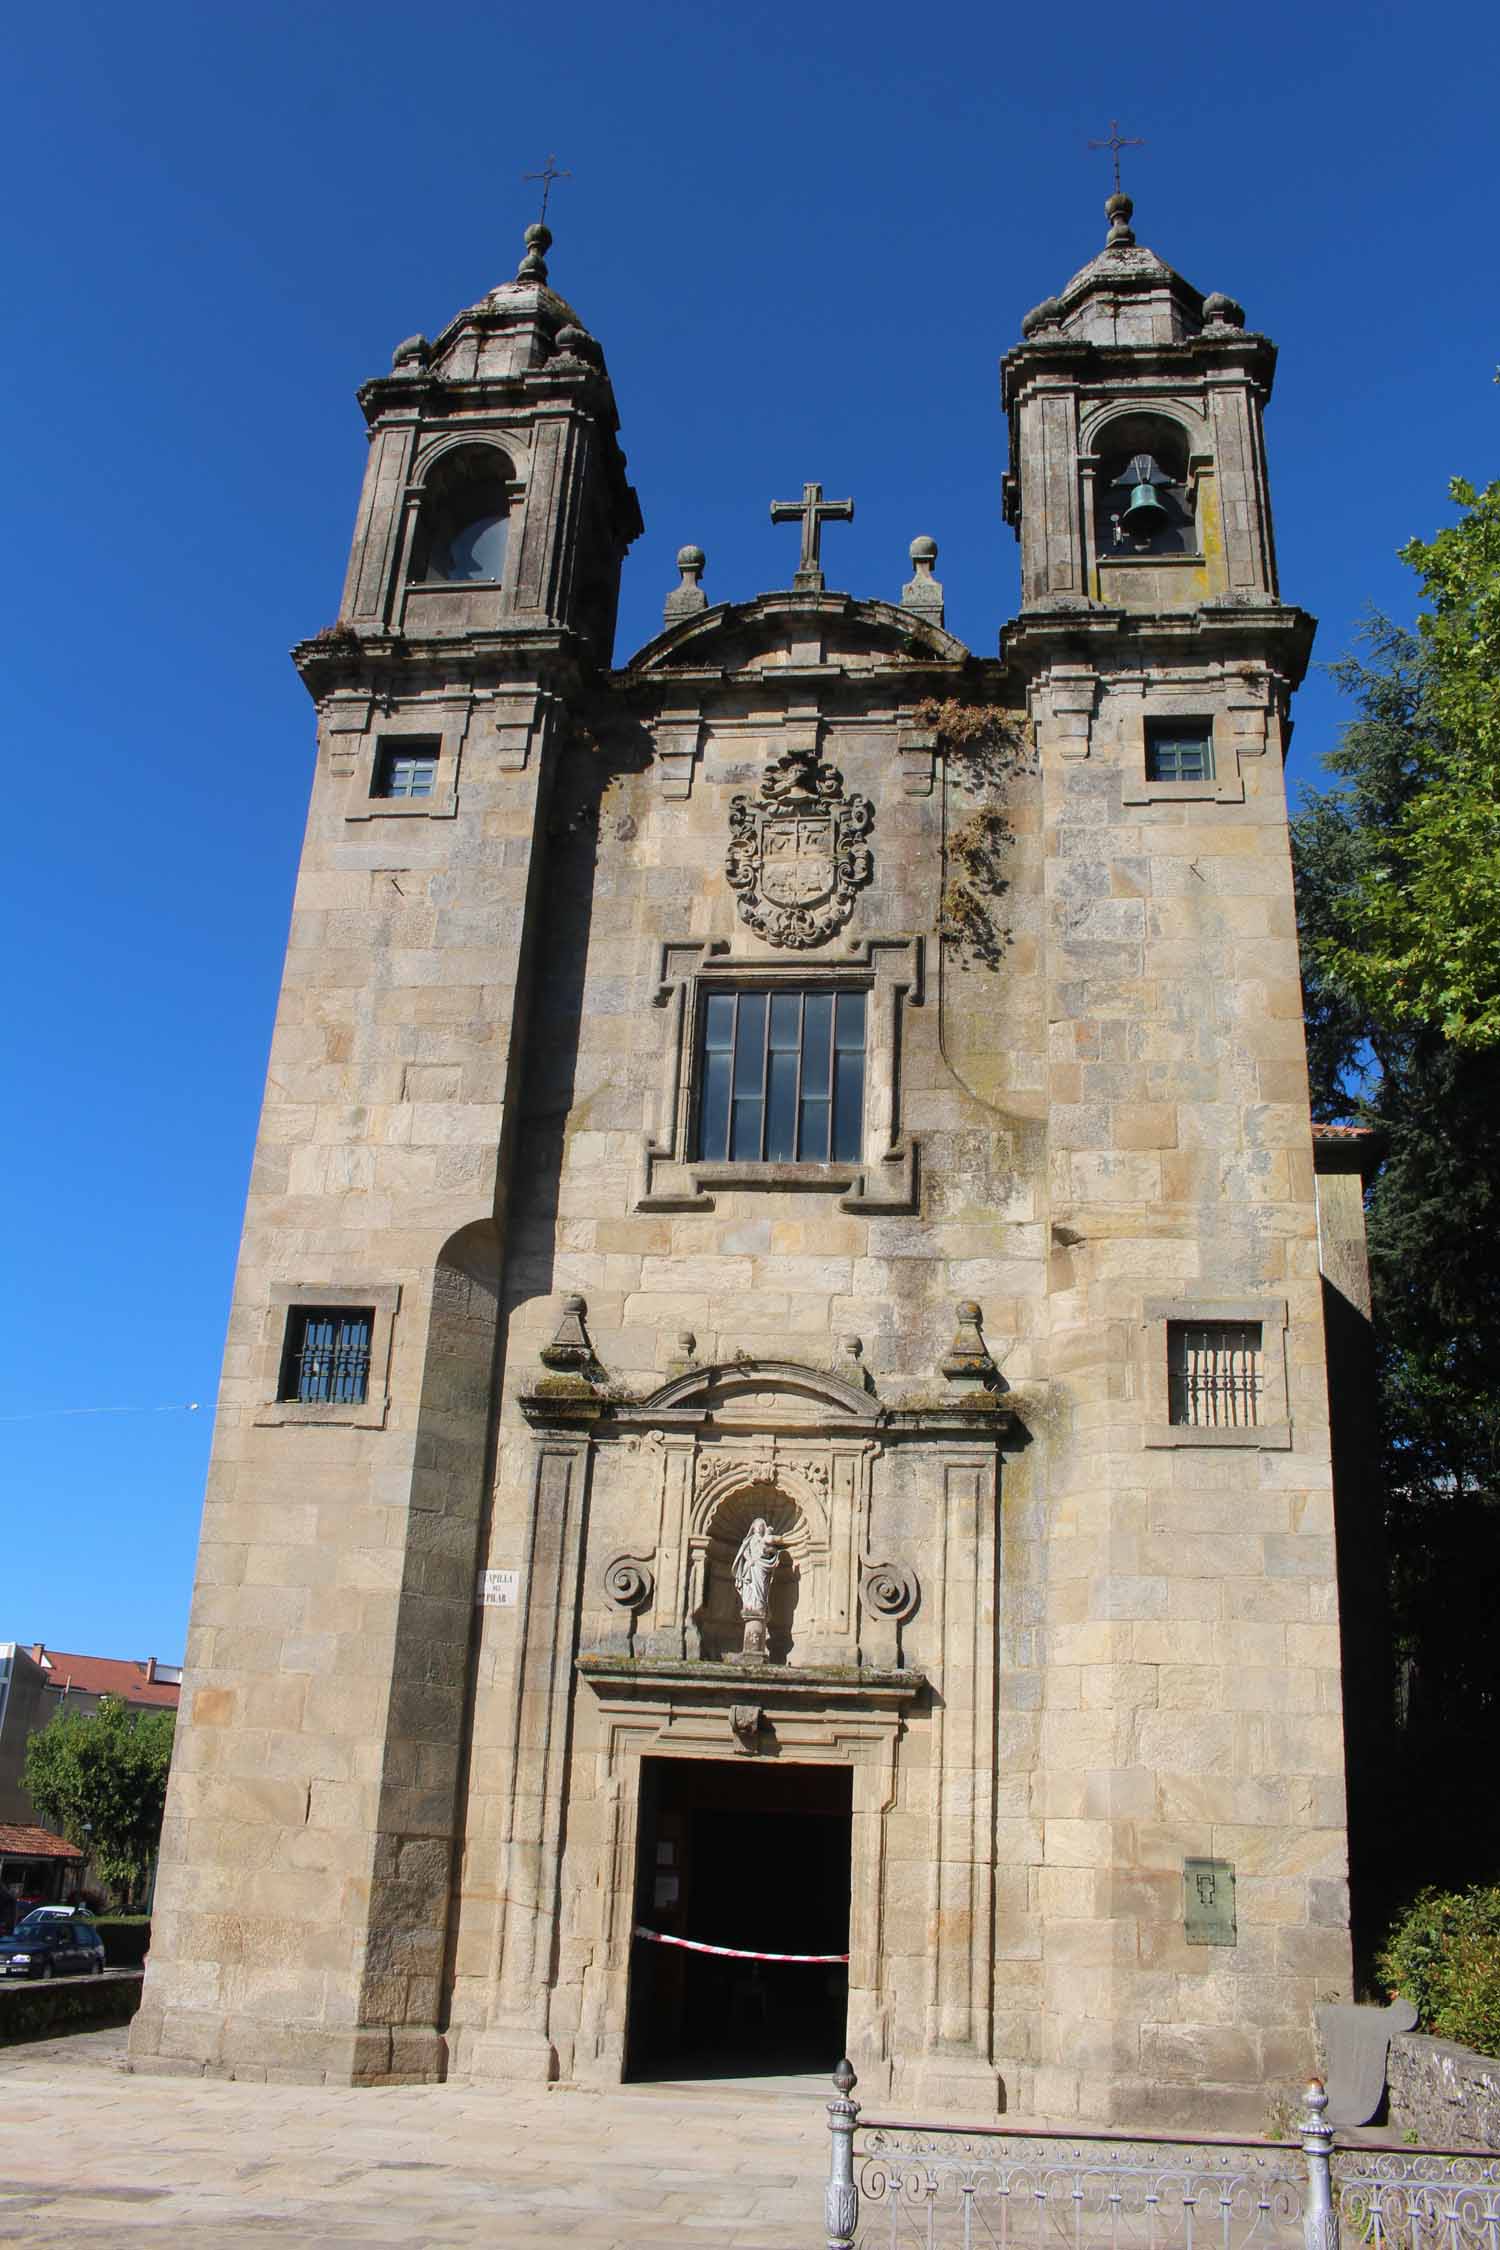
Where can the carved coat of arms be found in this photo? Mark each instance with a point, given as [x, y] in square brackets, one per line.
[797, 853]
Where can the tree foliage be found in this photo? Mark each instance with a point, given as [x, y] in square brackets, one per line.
[1400, 1054]
[101, 1777]
[1421, 943]
[1444, 1956]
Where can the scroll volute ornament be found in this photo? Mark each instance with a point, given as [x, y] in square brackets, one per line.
[797, 854]
[629, 1582]
[889, 1589]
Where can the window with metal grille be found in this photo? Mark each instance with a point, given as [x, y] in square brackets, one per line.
[781, 1077]
[405, 769]
[1214, 1377]
[327, 1356]
[1179, 750]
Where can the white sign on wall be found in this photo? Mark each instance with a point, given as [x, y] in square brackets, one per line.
[499, 1589]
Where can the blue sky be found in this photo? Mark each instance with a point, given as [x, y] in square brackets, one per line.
[805, 238]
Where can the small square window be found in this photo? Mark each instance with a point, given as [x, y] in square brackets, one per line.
[1214, 1374]
[405, 768]
[1179, 750]
[327, 1357]
[781, 1078]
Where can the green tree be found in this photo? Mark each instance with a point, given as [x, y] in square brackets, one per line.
[101, 1777]
[1434, 1220]
[1421, 937]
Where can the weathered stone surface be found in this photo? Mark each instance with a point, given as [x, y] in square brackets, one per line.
[1052, 1640]
[1447, 2096]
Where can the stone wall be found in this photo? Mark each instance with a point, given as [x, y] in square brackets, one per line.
[1447, 2095]
[44, 2010]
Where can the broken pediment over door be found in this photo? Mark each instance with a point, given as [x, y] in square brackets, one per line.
[763, 1512]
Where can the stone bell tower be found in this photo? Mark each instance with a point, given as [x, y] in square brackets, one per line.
[511, 405]
[1189, 1751]
[315, 1809]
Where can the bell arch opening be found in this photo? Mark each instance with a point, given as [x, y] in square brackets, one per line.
[1144, 500]
[463, 530]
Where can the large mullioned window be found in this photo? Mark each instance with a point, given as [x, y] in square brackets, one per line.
[781, 1077]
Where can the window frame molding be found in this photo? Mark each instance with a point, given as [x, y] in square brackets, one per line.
[381, 1300]
[884, 1177]
[445, 728]
[1227, 787]
[1273, 1433]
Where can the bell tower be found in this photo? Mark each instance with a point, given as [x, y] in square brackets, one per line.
[316, 1803]
[1135, 403]
[1189, 1469]
[495, 500]
[1138, 489]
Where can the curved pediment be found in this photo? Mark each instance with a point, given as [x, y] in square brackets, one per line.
[776, 630]
[755, 1392]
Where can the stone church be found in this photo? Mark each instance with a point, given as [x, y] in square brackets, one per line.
[773, 1490]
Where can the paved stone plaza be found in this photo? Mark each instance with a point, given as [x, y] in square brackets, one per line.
[91, 2154]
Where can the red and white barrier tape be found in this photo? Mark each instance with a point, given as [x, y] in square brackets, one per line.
[732, 1952]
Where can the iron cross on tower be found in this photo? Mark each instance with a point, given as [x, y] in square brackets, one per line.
[548, 173]
[812, 511]
[1114, 144]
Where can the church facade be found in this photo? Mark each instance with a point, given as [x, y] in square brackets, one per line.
[777, 1392]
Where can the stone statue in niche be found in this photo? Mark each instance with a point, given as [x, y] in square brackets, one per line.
[755, 1565]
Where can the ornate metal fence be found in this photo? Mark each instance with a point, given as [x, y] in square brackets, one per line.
[933, 2187]
[1417, 2199]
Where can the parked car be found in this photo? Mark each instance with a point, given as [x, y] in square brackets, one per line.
[52, 1943]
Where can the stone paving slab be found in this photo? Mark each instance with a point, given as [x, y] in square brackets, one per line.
[90, 2154]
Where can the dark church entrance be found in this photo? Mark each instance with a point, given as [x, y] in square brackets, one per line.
[757, 1857]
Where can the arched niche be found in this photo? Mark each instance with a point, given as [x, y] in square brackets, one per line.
[718, 1614]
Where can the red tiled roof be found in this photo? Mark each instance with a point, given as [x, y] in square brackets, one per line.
[1343, 1132]
[34, 1843]
[110, 1675]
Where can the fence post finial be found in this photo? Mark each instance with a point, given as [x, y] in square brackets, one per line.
[841, 2199]
[1320, 2221]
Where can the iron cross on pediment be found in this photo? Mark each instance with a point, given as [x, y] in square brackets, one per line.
[812, 511]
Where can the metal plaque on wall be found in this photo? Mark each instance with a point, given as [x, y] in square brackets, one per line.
[1208, 1902]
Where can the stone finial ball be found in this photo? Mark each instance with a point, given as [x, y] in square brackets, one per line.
[1119, 207]
[1223, 310]
[691, 558]
[968, 1310]
[923, 549]
[538, 237]
[575, 1305]
[1041, 316]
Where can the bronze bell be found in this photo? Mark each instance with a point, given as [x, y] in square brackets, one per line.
[1143, 514]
